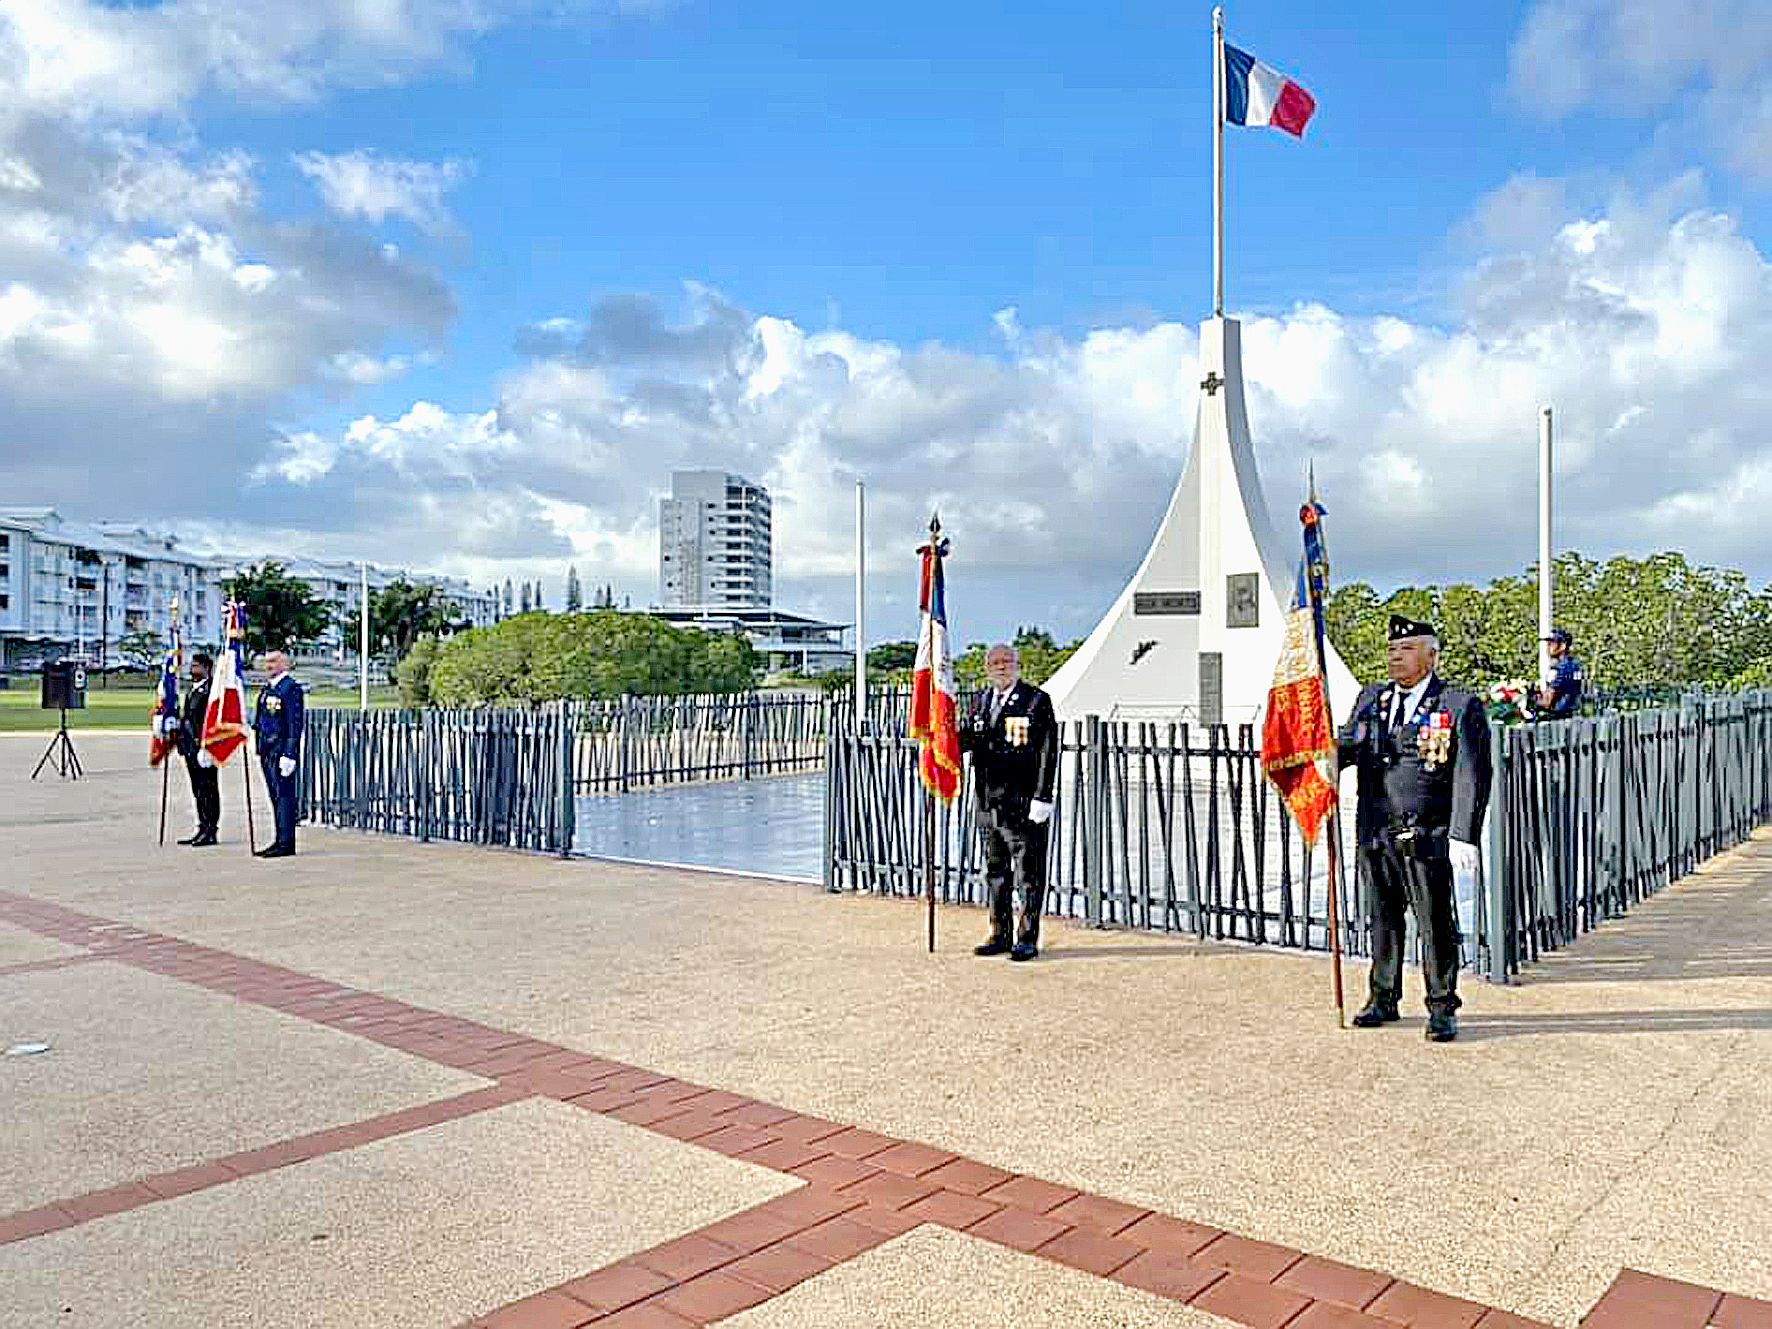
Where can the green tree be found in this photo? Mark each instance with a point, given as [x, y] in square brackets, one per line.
[141, 648]
[413, 674]
[281, 611]
[892, 655]
[540, 657]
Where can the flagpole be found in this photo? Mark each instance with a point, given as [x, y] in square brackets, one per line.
[1317, 581]
[363, 642]
[1218, 163]
[928, 793]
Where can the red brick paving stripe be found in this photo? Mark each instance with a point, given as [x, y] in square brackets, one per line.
[1421, 1309]
[1248, 1302]
[232, 1167]
[1327, 1280]
[1176, 1236]
[864, 1188]
[1329, 1315]
[1092, 1252]
[1095, 1212]
[1637, 1300]
[1168, 1275]
[1030, 1193]
[1740, 1313]
[1018, 1229]
[952, 1209]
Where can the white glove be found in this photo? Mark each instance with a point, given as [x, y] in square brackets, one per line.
[286, 766]
[1465, 858]
[1039, 812]
[204, 759]
[169, 724]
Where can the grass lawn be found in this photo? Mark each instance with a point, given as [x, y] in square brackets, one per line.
[128, 707]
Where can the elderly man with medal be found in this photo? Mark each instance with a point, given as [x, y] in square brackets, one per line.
[1421, 750]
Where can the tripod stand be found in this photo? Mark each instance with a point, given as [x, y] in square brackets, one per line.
[61, 748]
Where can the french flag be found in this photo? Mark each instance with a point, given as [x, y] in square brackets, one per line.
[934, 698]
[1258, 94]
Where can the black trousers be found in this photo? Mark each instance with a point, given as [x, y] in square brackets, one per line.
[206, 793]
[1015, 859]
[283, 802]
[1400, 885]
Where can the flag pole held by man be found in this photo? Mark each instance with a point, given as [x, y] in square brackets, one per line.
[934, 703]
[1298, 746]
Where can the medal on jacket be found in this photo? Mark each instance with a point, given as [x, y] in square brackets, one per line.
[273, 703]
[1015, 729]
[1433, 741]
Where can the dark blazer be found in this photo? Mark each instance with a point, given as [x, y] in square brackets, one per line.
[1396, 787]
[277, 721]
[1007, 777]
[190, 729]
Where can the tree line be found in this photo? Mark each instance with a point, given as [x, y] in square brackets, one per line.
[545, 657]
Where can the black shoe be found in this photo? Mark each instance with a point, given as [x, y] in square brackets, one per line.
[202, 841]
[995, 946]
[275, 851]
[1023, 950]
[192, 838]
[1442, 1026]
[1374, 1015]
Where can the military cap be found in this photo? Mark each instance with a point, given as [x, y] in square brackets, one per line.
[1403, 628]
[1558, 634]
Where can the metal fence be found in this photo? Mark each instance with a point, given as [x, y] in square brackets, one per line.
[640, 742]
[1168, 827]
[1592, 816]
[499, 777]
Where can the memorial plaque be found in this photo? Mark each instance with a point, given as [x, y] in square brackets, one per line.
[1211, 687]
[1166, 602]
[1242, 600]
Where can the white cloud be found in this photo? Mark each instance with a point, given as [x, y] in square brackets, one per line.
[1051, 461]
[1634, 56]
[88, 58]
[362, 184]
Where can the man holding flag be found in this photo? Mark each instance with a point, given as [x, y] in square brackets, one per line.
[1012, 734]
[205, 778]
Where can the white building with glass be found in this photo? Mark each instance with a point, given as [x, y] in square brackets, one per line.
[715, 546]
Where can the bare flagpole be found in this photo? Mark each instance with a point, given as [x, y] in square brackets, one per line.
[1218, 163]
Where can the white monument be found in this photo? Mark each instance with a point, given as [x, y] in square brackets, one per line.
[1195, 634]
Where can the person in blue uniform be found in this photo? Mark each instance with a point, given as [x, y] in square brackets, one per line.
[1421, 749]
[1560, 699]
[276, 727]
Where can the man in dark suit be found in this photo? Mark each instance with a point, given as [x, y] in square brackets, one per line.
[1012, 734]
[205, 779]
[276, 727]
[1422, 752]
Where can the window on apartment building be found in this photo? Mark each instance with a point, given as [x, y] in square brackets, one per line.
[5, 600]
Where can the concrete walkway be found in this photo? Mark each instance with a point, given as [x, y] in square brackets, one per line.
[390, 1084]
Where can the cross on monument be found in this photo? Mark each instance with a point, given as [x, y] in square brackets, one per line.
[1212, 383]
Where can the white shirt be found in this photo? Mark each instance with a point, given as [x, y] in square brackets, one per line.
[1407, 701]
[1000, 699]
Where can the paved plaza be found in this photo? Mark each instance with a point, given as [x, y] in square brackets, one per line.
[392, 1084]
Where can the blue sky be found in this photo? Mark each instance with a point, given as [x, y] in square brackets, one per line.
[793, 230]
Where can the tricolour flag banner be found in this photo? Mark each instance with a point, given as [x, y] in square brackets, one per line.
[160, 742]
[1298, 735]
[934, 698]
[1258, 94]
[224, 723]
